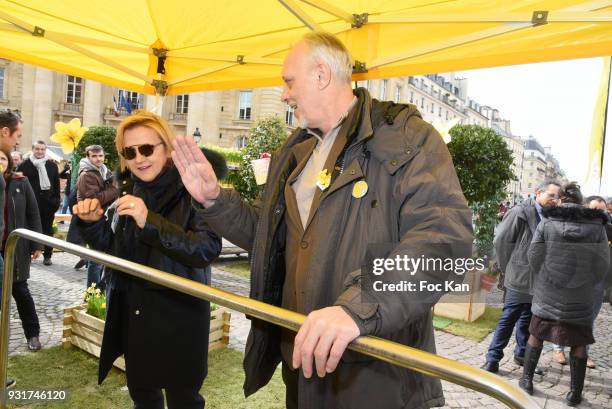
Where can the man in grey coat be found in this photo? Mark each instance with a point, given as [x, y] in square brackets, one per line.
[512, 239]
[357, 172]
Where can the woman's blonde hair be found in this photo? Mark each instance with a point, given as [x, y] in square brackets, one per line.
[148, 120]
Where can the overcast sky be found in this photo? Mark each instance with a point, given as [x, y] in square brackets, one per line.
[554, 102]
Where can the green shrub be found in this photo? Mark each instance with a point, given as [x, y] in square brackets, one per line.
[232, 156]
[103, 136]
[266, 136]
[483, 163]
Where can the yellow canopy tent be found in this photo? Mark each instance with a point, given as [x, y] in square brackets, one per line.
[174, 47]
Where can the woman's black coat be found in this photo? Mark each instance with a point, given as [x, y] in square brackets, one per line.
[569, 256]
[162, 333]
[22, 212]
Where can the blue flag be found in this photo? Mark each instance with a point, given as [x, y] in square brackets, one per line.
[123, 102]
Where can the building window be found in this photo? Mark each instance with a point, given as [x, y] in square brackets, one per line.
[133, 99]
[422, 102]
[241, 142]
[411, 96]
[182, 104]
[74, 88]
[245, 105]
[289, 115]
[529, 186]
[398, 94]
[383, 89]
[440, 112]
[447, 115]
[432, 108]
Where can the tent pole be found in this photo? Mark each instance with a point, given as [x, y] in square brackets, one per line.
[512, 17]
[40, 32]
[331, 9]
[292, 6]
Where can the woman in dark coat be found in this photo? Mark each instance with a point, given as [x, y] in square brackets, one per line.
[21, 211]
[569, 256]
[163, 334]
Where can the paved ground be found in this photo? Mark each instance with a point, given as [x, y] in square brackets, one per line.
[59, 286]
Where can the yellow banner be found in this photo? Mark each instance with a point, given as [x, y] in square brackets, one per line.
[598, 131]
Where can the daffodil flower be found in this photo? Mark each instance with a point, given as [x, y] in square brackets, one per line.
[68, 135]
[324, 179]
[444, 128]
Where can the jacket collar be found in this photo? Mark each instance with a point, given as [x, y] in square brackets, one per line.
[17, 176]
[574, 212]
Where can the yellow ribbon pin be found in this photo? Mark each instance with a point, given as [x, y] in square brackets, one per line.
[360, 189]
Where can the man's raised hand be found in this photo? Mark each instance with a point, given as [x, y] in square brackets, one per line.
[196, 172]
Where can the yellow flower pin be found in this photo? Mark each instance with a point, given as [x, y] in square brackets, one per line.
[324, 179]
[68, 135]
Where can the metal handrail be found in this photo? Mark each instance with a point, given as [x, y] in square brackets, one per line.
[388, 351]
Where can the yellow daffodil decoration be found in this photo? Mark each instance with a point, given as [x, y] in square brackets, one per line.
[444, 128]
[324, 179]
[68, 135]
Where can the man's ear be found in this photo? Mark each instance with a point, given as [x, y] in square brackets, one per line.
[323, 72]
[5, 132]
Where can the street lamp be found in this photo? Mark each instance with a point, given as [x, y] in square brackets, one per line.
[197, 136]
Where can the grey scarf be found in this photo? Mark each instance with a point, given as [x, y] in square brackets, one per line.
[43, 178]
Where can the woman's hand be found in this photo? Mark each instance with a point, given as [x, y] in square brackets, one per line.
[133, 206]
[36, 254]
[88, 210]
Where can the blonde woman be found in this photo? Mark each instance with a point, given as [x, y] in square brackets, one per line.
[163, 334]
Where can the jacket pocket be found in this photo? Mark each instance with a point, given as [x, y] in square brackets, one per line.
[518, 275]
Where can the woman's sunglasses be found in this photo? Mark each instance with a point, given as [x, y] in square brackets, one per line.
[129, 152]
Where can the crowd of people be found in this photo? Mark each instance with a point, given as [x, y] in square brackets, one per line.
[554, 253]
[356, 171]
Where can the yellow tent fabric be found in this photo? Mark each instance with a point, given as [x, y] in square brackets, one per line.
[182, 46]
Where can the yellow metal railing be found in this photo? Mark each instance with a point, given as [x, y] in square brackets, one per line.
[388, 351]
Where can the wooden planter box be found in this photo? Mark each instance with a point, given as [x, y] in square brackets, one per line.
[468, 307]
[85, 331]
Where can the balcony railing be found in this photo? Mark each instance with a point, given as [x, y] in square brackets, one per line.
[121, 112]
[67, 107]
[178, 116]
